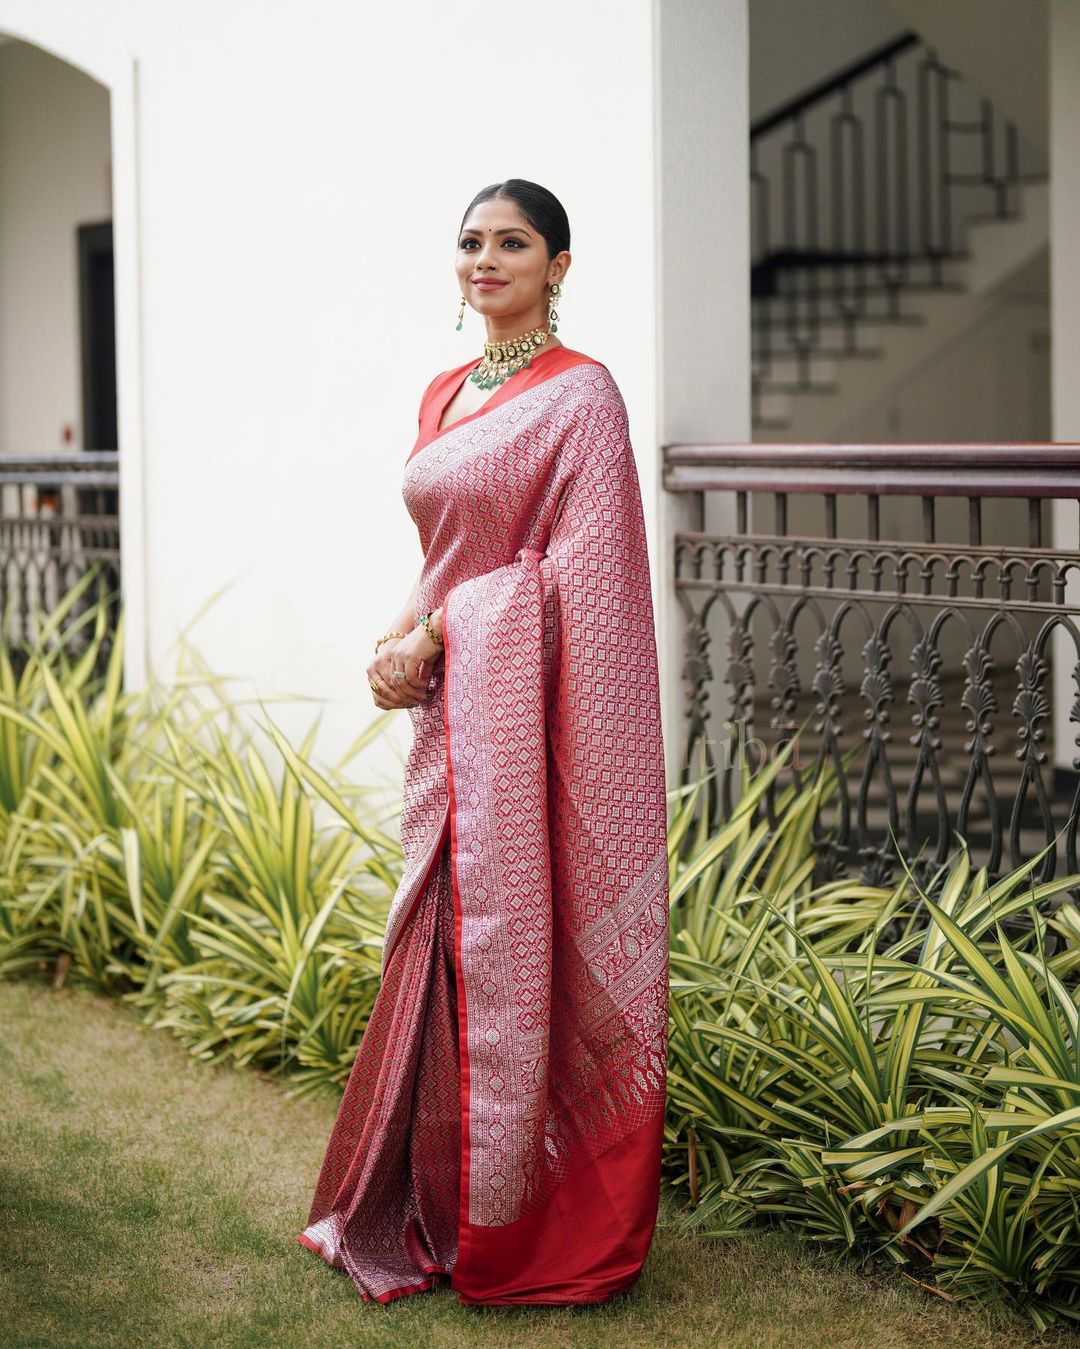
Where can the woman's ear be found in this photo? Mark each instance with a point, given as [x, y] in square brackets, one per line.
[559, 266]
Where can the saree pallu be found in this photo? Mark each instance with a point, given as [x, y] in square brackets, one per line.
[503, 1121]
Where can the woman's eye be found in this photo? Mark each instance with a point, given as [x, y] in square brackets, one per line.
[466, 243]
[516, 242]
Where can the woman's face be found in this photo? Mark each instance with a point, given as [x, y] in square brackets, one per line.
[504, 269]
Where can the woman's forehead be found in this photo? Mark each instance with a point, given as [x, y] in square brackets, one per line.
[493, 216]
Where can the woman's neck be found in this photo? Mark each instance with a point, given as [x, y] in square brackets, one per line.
[506, 329]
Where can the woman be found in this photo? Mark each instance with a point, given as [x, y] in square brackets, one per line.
[502, 1124]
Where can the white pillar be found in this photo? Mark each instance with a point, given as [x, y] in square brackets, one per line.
[1065, 324]
[703, 313]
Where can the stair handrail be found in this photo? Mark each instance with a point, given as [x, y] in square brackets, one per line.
[876, 57]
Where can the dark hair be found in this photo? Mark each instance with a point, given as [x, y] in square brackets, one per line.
[541, 208]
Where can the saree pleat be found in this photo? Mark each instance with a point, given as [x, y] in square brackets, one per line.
[503, 1122]
[386, 1201]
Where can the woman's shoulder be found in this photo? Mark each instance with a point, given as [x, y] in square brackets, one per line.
[588, 380]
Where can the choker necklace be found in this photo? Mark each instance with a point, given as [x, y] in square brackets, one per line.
[503, 359]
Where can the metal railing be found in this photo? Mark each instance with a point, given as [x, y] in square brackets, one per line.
[862, 188]
[854, 579]
[59, 517]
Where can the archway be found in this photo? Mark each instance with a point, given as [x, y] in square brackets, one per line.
[71, 40]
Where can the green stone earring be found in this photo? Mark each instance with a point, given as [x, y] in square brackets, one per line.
[461, 315]
[556, 291]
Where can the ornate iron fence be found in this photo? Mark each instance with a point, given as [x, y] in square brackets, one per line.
[59, 517]
[821, 604]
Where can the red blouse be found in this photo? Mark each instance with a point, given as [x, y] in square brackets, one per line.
[440, 392]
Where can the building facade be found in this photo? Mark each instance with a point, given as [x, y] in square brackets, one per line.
[281, 188]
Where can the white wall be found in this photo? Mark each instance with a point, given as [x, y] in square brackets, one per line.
[989, 383]
[703, 316]
[1065, 318]
[1000, 47]
[795, 44]
[302, 173]
[54, 176]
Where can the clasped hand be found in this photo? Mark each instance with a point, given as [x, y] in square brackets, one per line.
[416, 654]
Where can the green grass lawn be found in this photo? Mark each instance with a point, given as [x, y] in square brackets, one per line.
[150, 1200]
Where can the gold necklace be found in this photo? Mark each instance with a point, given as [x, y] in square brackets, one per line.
[503, 359]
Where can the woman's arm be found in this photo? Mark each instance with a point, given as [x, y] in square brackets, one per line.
[415, 653]
[406, 620]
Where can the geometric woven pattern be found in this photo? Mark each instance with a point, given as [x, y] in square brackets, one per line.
[560, 821]
[534, 813]
[386, 1202]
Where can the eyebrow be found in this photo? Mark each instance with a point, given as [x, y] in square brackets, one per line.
[512, 229]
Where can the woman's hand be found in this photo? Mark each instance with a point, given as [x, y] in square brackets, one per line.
[416, 655]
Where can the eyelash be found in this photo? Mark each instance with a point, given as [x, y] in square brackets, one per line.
[517, 242]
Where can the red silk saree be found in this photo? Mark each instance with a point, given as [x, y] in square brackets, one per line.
[503, 1120]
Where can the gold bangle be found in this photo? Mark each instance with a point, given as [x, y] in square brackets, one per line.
[385, 638]
[426, 624]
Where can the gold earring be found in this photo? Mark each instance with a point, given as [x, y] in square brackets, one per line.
[553, 313]
[461, 315]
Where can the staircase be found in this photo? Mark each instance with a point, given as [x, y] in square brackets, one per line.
[866, 263]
